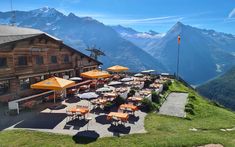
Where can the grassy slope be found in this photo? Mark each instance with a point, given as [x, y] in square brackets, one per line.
[162, 130]
[221, 89]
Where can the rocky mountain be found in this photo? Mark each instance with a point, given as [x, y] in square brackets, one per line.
[204, 54]
[81, 32]
[221, 89]
[144, 40]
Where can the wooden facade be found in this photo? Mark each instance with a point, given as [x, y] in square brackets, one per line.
[30, 60]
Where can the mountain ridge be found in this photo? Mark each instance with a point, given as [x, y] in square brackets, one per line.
[204, 54]
[79, 32]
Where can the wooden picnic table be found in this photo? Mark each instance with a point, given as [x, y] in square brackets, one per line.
[81, 110]
[135, 99]
[145, 92]
[128, 107]
[155, 85]
[72, 91]
[110, 95]
[123, 117]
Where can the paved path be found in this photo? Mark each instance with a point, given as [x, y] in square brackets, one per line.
[174, 105]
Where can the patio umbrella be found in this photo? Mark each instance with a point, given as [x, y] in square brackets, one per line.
[138, 75]
[88, 95]
[145, 71]
[75, 79]
[117, 68]
[53, 83]
[114, 83]
[127, 79]
[104, 89]
[151, 70]
[95, 74]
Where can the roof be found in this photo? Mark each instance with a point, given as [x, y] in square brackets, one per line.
[11, 34]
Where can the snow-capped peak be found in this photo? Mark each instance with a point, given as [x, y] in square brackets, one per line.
[46, 12]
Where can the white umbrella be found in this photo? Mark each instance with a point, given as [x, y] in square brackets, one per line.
[127, 79]
[88, 95]
[138, 75]
[151, 70]
[104, 89]
[145, 71]
[75, 79]
[113, 83]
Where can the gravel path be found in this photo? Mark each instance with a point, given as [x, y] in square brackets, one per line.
[174, 105]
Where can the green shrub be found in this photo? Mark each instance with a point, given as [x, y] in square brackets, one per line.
[168, 82]
[190, 105]
[147, 105]
[189, 110]
[165, 86]
[192, 97]
[119, 100]
[155, 97]
[147, 83]
[108, 106]
[131, 93]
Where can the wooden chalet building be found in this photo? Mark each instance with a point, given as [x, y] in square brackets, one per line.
[28, 56]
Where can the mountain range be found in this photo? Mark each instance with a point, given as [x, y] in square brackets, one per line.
[81, 32]
[204, 54]
[221, 89]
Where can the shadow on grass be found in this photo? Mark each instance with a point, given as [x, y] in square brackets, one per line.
[85, 137]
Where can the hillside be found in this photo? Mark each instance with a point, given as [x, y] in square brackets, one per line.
[81, 32]
[221, 89]
[161, 130]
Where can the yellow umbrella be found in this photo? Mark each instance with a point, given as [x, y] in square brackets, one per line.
[117, 68]
[95, 74]
[53, 83]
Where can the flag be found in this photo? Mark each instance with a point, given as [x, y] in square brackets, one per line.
[178, 39]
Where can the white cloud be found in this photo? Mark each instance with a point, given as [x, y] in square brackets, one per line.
[232, 14]
[152, 20]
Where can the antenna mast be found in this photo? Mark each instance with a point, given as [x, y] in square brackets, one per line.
[12, 22]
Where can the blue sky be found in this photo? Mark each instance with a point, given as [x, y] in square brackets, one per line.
[143, 15]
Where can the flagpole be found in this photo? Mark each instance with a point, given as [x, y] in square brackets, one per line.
[178, 58]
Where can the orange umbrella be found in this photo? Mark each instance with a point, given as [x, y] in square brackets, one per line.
[117, 68]
[95, 74]
[53, 83]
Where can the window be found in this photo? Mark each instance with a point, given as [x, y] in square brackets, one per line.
[53, 59]
[24, 84]
[3, 62]
[38, 79]
[66, 58]
[4, 87]
[39, 60]
[22, 60]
